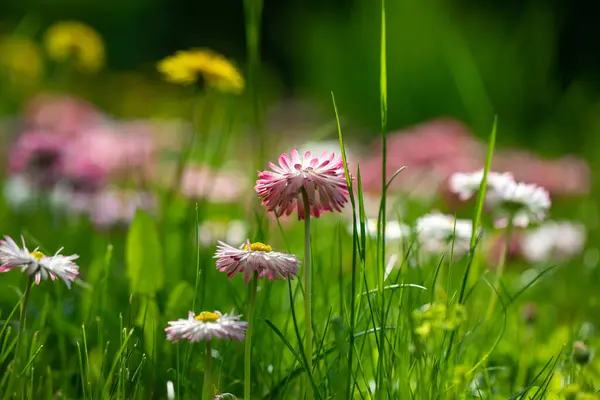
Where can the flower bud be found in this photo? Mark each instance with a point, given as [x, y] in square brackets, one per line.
[581, 353]
[530, 313]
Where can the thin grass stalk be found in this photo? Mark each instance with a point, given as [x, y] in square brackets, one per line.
[476, 222]
[307, 294]
[382, 222]
[248, 343]
[350, 385]
[500, 268]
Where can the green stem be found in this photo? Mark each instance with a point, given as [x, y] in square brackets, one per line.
[307, 294]
[500, 268]
[206, 392]
[248, 344]
[383, 214]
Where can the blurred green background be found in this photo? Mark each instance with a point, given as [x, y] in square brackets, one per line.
[534, 63]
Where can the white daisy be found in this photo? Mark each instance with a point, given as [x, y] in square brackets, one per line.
[438, 233]
[205, 326]
[36, 263]
[256, 257]
[524, 203]
[465, 185]
[553, 240]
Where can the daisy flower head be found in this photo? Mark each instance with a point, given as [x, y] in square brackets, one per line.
[323, 178]
[76, 42]
[256, 257]
[520, 204]
[556, 240]
[185, 67]
[205, 326]
[36, 264]
[438, 232]
[465, 185]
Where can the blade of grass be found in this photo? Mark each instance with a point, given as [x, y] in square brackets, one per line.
[298, 357]
[476, 223]
[382, 210]
[349, 384]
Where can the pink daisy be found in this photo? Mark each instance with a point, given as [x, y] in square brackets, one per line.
[205, 326]
[36, 263]
[323, 179]
[256, 257]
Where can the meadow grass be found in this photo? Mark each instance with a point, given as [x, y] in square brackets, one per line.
[370, 318]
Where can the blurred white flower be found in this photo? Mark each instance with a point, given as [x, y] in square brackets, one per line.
[205, 326]
[555, 240]
[170, 391]
[210, 231]
[19, 191]
[224, 396]
[394, 230]
[525, 203]
[465, 185]
[112, 206]
[438, 233]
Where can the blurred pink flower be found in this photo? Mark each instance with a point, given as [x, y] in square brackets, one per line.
[323, 178]
[117, 207]
[82, 175]
[116, 150]
[215, 185]
[569, 175]
[255, 257]
[38, 155]
[60, 114]
[431, 152]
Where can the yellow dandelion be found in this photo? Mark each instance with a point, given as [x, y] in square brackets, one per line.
[20, 60]
[185, 67]
[76, 42]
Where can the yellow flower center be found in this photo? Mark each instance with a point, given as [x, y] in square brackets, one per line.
[37, 255]
[207, 316]
[258, 246]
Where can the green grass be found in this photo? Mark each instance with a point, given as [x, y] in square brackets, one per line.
[420, 332]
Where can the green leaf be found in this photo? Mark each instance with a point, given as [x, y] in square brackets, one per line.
[148, 319]
[180, 299]
[144, 256]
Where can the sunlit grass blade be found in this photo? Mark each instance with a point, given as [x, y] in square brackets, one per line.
[479, 208]
[350, 384]
[381, 223]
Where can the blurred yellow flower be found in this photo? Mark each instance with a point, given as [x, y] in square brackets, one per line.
[76, 42]
[184, 68]
[20, 59]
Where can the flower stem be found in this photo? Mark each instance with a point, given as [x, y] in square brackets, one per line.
[500, 268]
[248, 343]
[307, 294]
[206, 392]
